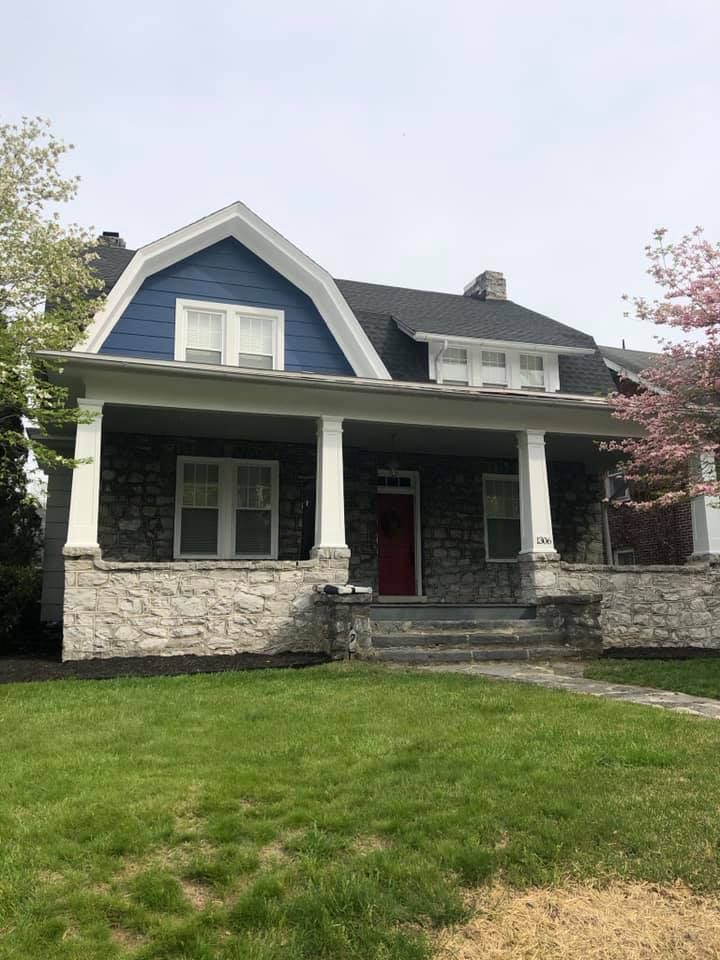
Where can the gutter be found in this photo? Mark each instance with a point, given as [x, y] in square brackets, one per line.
[90, 361]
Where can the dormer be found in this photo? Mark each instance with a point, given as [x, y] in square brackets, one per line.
[495, 343]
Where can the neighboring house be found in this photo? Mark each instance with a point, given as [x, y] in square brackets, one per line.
[660, 536]
[261, 428]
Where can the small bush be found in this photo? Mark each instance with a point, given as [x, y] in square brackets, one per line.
[19, 607]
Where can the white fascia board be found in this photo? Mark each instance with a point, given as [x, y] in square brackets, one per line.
[174, 385]
[240, 222]
[499, 344]
[183, 368]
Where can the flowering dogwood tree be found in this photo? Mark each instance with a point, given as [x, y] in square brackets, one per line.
[678, 404]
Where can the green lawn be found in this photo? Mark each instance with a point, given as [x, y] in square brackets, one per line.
[333, 813]
[698, 677]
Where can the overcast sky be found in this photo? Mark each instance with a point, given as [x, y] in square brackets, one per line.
[403, 141]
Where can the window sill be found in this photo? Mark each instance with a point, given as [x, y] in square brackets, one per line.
[212, 559]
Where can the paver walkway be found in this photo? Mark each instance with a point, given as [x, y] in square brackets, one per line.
[567, 676]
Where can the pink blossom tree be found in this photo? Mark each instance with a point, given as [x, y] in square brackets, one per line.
[678, 404]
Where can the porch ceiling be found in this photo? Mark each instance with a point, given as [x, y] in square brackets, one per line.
[362, 434]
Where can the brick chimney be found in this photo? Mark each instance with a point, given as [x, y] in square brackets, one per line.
[490, 285]
[111, 238]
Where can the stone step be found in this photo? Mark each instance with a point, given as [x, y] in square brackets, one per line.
[451, 611]
[472, 638]
[480, 655]
[455, 626]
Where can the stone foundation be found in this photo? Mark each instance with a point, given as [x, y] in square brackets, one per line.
[661, 606]
[115, 609]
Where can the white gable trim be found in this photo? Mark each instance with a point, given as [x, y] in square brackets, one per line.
[240, 222]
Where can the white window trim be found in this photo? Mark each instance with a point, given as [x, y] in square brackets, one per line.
[413, 491]
[495, 476]
[226, 508]
[436, 351]
[231, 338]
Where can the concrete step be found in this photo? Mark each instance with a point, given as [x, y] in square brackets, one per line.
[451, 611]
[476, 655]
[519, 627]
[469, 638]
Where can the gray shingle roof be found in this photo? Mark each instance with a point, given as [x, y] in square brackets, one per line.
[634, 361]
[111, 262]
[378, 309]
[450, 314]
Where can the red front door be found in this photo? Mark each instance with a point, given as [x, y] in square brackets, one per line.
[396, 545]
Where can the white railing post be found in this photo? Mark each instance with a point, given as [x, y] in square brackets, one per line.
[705, 511]
[536, 535]
[329, 488]
[85, 489]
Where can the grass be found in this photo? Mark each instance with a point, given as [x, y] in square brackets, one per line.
[339, 812]
[700, 677]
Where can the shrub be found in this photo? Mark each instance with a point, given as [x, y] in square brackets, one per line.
[19, 607]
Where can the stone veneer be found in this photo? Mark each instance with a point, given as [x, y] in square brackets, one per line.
[137, 509]
[115, 609]
[660, 606]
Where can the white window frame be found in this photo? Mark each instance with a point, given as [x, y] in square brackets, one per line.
[447, 365]
[496, 476]
[227, 493]
[513, 380]
[231, 330]
[522, 354]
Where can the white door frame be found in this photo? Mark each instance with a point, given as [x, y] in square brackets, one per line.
[413, 490]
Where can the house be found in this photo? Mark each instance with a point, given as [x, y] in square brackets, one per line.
[256, 428]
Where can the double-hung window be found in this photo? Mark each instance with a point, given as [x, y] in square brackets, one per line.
[494, 369]
[230, 334]
[501, 508]
[455, 368]
[532, 372]
[226, 508]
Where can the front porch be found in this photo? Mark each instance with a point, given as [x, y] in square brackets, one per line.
[206, 530]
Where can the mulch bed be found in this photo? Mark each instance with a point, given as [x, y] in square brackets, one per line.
[659, 653]
[25, 669]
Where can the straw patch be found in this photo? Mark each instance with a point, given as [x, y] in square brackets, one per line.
[623, 921]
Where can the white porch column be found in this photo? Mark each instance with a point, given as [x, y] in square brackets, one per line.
[705, 511]
[85, 490]
[329, 486]
[536, 536]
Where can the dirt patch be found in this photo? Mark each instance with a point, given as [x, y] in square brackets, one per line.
[127, 938]
[276, 853]
[628, 921]
[369, 844]
[199, 895]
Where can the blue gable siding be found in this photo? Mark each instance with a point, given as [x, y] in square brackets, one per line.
[226, 272]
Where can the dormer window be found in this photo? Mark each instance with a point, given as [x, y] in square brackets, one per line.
[532, 372]
[493, 365]
[494, 369]
[230, 334]
[455, 366]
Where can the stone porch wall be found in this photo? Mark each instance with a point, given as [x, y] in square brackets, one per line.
[660, 606]
[135, 609]
[137, 509]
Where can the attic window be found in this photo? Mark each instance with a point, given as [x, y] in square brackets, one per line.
[455, 368]
[532, 372]
[494, 370]
[228, 333]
